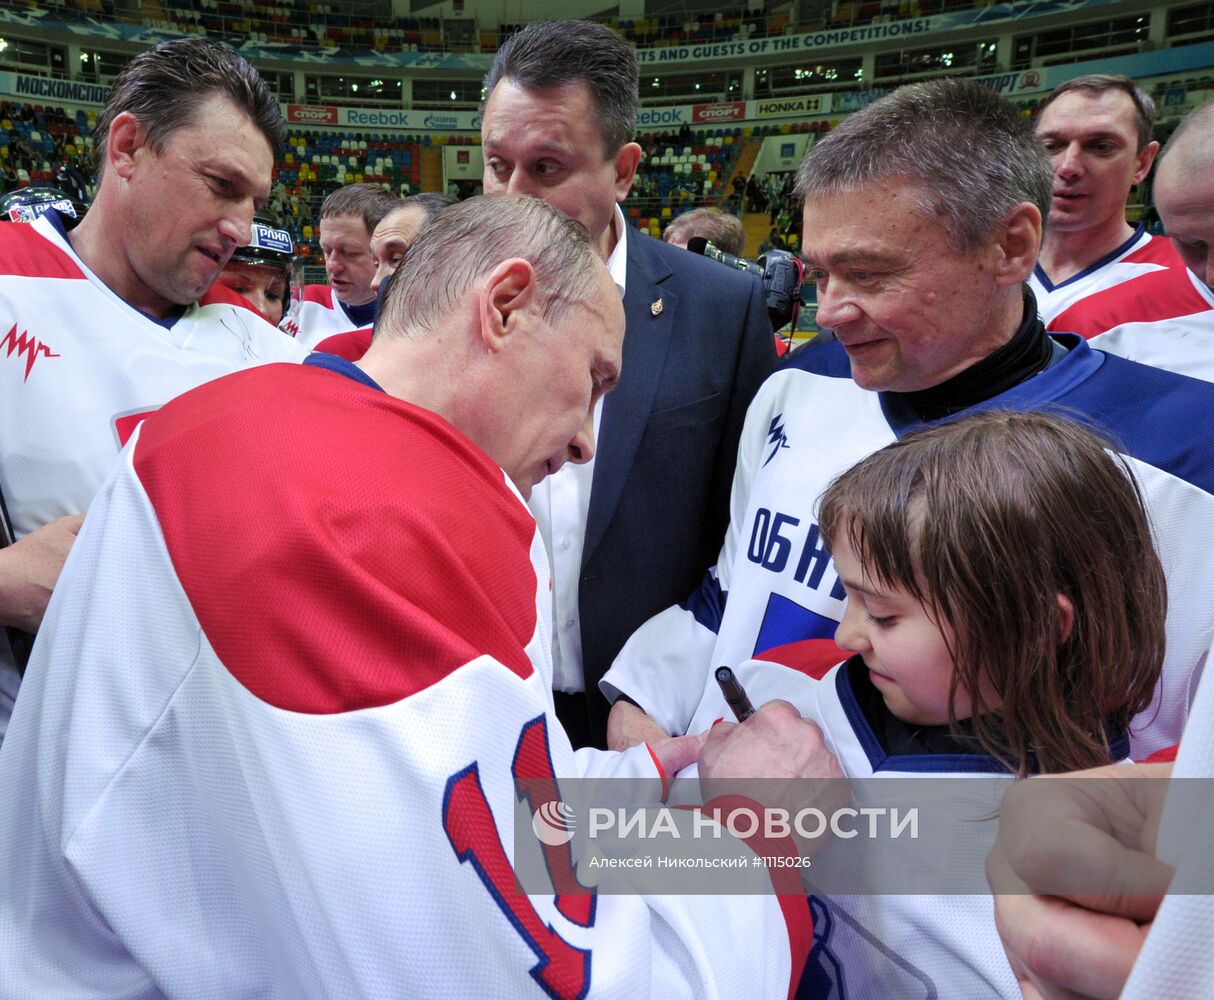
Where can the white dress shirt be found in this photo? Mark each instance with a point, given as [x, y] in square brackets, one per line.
[560, 504]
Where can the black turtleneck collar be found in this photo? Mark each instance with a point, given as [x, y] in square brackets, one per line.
[1028, 353]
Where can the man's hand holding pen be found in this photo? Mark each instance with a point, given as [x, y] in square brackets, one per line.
[775, 742]
[771, 755]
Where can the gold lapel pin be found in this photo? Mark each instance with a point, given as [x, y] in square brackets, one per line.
[656, 308]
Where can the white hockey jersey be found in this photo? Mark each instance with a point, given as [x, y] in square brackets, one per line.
[278, 759]
[1063, 307]
[922, 945]
[774, 582]
[1172, 323]
[1176, 960]
[81, 368]
[321, 314]
[931, 934]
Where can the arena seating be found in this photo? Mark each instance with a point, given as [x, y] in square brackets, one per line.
[323, 25]
[35, 139]
[677, 174]
[327, 27]
[675, 178]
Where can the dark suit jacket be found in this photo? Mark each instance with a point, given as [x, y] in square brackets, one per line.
[668, 443]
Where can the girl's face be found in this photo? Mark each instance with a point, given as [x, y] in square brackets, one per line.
[265, 287]
[901, 644]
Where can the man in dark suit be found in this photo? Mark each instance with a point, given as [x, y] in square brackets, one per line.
[633, 531]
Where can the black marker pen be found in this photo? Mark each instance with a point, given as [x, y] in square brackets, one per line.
[735, 694]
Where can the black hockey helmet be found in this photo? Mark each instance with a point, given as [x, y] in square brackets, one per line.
[29, 203]
[270, 246]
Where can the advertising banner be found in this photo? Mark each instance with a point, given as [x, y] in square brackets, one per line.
[41, 88]
[311, 114]
[810, 104]
[725, 111]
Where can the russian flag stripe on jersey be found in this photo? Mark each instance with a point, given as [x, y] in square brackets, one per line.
[1157, 250]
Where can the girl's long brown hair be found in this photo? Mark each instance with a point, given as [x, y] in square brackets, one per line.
[985, 520]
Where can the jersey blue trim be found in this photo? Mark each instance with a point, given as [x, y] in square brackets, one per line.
[1150, 414]
[938, 763]
[1147, 413]
[828, 359]
[879, 760]
[331, 362]
[707, 602]
[359, 316]
[1041, 392]
[1108, 258]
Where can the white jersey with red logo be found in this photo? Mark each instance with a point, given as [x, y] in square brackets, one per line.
[321, 314]
[1062, 307]
[79, 368]
[271, 749]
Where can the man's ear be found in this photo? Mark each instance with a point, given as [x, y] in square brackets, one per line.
[504, 300]
[126, 137]
[1066, 617]
[1145, 158]
[626, 162]
[1019, 244]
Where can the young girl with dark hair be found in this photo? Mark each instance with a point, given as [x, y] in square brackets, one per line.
[1005, 612]
[1002, 586]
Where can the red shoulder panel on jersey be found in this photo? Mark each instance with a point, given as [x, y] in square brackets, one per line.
[26, 252]
[1149, 298]
[1162, 756]
[1158, 250]
[341, 549]
[319, 293]
[351, 345]
[813, 657]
